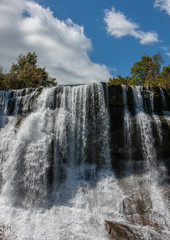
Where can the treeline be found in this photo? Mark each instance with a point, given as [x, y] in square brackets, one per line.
[146, 72]
[25, 73]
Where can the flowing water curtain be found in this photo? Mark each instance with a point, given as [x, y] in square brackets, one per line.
[81, 131]
[58, 169]
[145, 129]
[127, 125]
[165, 110]
[155, 116]
[12, 105]
[26, 166]
[75, 134]
[144, 123]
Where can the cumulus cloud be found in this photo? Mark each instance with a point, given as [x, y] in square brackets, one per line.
[119, 26]
[168, 54]
[166, 49]
[61, 46]
[163, 5]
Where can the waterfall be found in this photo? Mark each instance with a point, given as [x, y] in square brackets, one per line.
[165, 107]
[163, 100]
[155, 116]
[55, 155]
[66, 133]
[127, 124]
[58, 158]
[149, 150]
[145, 128]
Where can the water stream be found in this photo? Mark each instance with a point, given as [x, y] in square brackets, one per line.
[56, 176]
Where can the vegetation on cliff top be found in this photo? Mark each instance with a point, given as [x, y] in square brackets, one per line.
[146, 72]
[25, 73]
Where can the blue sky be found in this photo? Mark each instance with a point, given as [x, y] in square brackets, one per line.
[83, 41]
[117, 53]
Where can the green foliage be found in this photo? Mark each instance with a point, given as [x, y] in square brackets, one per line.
[11, 81]
[118, 80]
[25, 73]
[140, 69]
[165, 77]
[146, 72]
[133, 81]
[30, 59]
[166, 72]
[32, 76]
[2, 79]
[157, 61]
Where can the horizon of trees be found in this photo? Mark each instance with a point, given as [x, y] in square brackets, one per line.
[25, 73]
[147, 71]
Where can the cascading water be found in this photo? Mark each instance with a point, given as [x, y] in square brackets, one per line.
[155, 116]
[149, 151]
[145, 129]
[57, 176]
[127, 124]
[165, 107]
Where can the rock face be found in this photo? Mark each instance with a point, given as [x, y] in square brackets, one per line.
[121, 231]
[126, 231]
[141, 220]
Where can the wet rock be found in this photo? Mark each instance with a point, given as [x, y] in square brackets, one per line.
[128, 231]
[115, 96]
[122, 231]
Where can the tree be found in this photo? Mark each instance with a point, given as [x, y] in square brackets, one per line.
[32, 76]
[118, 80]
[2, 79]
[146, 70]
[29, 59]
[157, 61]
[26, 73]
[165, 76]
[11, 81]
[140, 69]
[166, 72]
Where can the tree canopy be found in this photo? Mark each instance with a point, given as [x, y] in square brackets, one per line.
[146, 72]
[25, 73]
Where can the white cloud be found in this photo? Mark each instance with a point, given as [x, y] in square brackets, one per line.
[168, 54]
[165, 48]
[61, 46]
[163, 5]
[119, 26]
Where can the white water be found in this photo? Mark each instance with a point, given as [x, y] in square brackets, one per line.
[165, 107]
[63, 133]
[155, 116]
[149, 153]
[127, 124]
[144, 128]
[81, 198]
